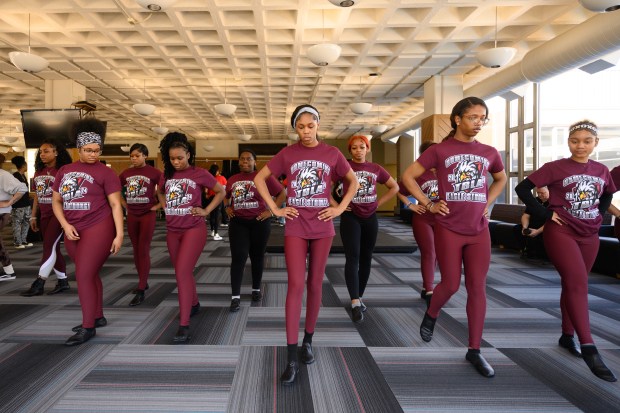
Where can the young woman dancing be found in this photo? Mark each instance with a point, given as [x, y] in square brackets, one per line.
[250, 225]
[50, 158]
[580, 191]
[359, 224]
[310, 167]
[140, 183]
[461, 226]
[87, 203]
[423, 224]
[180, 192]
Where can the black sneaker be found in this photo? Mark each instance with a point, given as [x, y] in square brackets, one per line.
[99, 322]
[137, 299]
[357, 315]
[235, 305]
[195, 310]
[257, 296]
[35, 289]
[135, 290]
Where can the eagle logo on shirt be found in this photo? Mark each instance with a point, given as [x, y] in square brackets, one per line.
[43, 186]
[467, 176]
[431, 188]
[309, 181]
[176, 194]
[242, 191]
[584, 195]
[367, 184]
[136, 186]
[71, 188]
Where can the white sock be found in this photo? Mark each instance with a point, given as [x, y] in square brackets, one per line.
[43, 277]
[236, 296]
[60, 275]
[255, 290]
[9, 269]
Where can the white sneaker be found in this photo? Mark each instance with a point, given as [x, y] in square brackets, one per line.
[217, 237]
[224, 225]
[20, 246]
[28, 245]
[7, 277]
[212, 233]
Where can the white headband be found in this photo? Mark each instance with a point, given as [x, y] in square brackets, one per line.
[86, 138]
[580, 126]
[305, 109]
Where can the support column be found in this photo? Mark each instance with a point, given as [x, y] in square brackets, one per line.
[440, 94]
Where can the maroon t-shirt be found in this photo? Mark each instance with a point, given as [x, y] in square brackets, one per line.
[462, 169]
[615, 176]
[84, 188]
[244, 199]
[574, 191]
[428, 184]
[43, 183]
[183, 192]
[310, 173]
[364, 203]
[140, 186]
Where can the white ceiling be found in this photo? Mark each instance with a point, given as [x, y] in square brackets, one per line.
[186, 55]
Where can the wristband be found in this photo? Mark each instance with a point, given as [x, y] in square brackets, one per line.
[271, 212]
[33, 218]
[429, 206]
[408, 205]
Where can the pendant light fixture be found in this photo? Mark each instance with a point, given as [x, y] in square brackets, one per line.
[156, 5]
[225, 109]
[323, 54]
[125, 148]
[244, 137]
[28, 62]
[379, 128]
[496, 56]
[360, 108]
[601, 6]
[144, 109]
[160, 130]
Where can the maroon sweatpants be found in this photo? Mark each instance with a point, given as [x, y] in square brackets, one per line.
[295, 251]
[424, 235]
[573, 256]
[89, 254]
[474, 253]
[185, 248]
[52, 258]
[140, 230]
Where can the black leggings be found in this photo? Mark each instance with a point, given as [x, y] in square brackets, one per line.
[247, 237]
[214, 216]
[359, 236]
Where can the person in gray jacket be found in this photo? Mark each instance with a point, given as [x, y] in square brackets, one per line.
[11, 190]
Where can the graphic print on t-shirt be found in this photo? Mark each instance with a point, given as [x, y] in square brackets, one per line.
[137, 186]
[431, 189]
[243, 195]
[309, 182]
[72, 188]
[366, 193]
[584, 195]
[468, 174]
[43, 187]
[177, 195]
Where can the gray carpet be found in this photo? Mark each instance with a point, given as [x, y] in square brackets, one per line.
[234, 359]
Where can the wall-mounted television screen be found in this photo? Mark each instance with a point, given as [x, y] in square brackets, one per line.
[42, 124]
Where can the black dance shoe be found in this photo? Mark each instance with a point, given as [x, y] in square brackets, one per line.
[568, 342]
[182, 336]
[290, 374]
[257, 296]
[357, 315]
[306, 354]
[481, 365]
[61, 285]
[427, 327]
[137, 299]
[35, 289]
[81, 336]
[195, 310]
[596, 364]
[99, 322]
[135, 290]
[235, 305]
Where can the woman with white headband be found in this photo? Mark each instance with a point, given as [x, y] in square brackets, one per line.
[87, 203]
[310, 167]
[580, 191]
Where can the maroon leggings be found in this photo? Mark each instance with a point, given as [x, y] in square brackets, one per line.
[140, 230]
[573, 256]
[474, 252]
[4, 255]
[295, 252]
[185, 248]
[425, 238]
[89, 253]
[51, 231]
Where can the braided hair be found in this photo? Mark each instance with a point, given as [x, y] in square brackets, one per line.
[62, 156]
[171, 141]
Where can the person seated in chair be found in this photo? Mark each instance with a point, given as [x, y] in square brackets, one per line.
[530, 232]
